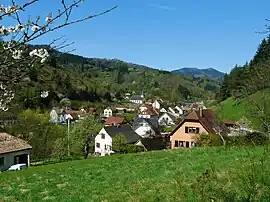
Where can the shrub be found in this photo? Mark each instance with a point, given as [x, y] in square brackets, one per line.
[209, 140]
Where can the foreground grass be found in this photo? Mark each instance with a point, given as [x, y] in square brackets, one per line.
[232, 174]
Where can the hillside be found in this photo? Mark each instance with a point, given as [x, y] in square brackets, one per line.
[103, 81]
[153, 176]
[248, 107]
[208, 72]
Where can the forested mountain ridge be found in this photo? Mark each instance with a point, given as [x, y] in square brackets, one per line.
[106, 80]
[195, 72]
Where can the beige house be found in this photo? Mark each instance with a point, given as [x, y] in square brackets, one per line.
[195, 123]
[13, 151]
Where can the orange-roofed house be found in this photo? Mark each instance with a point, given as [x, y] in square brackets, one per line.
[197, 122]
[114, 121]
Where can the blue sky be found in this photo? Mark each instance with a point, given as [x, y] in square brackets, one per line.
[169, 34]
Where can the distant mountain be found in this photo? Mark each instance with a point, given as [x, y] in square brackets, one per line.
[195, 72]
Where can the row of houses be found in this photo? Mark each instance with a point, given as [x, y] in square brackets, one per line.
[185, 134]
[151, 120]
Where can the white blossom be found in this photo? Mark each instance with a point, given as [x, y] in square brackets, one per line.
[35, 28]
[41, 53]
[49, 18]
[3, 30]
[12, 29]
[20, 28]
[44, 94]
[17, 54]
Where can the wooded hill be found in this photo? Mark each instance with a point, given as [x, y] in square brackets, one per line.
[245, 91]
[93, 79]
[247, 79]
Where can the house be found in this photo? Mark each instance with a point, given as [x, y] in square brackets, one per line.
[13, 151]
[179, 110]
[114, 121]
[156, 104]
[171, 110]
[167, 119]
[104, 139]
[146, 127]
[163, 110]
[107, 112]
[195, 123]
[138, 99]
[144, 107]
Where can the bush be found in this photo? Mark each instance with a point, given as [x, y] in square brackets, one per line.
[131, 148]
[251, 139]
[209, 140]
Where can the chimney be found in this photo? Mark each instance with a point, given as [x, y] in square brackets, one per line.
[201, 111]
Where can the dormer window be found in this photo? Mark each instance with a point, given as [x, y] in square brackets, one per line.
[193, 130]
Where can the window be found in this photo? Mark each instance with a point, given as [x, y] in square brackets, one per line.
[181, 143]
[187, 144]
[105, 147]
[176, 143]
[193, 130]
[98, 145]
[2, 163]
[193, 144]
[103, 136]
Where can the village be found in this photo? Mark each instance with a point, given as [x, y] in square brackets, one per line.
[154, 125]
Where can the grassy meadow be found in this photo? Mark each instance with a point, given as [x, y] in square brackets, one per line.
[199, 174]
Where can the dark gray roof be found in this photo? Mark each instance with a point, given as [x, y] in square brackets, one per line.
[126, 130]
[170, 115]
[136, 97]
[153, 122]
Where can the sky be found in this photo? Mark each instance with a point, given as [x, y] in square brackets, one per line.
[167, 34]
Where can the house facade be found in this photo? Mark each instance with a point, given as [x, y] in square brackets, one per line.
[156, 104]
[104, 139]
[13, 151]
[107, 112]
[166, 119]
[103, 143]
[186, 134]
[145, 127]
[138, 99]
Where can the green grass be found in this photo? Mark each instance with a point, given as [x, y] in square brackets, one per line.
[234, 110]
[232, 174]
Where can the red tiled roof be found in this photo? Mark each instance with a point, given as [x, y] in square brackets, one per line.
[9, 143]
[114, 120]
[207, 120]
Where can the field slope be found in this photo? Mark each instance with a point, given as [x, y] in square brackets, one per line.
[229, 174]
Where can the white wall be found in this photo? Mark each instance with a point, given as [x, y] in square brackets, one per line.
[9, 158]
[142, 130]
[180, 111]
[137, 101]
[156, 105]
[106, 141]
[107, 112]
[145, 116]
[162, 120]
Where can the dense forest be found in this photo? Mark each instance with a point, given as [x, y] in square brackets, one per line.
[249, 78]
[102, 80]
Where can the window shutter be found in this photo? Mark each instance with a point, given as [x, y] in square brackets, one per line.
[186, 129]
[176, 143]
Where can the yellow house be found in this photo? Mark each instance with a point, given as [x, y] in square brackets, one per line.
[196, 122]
